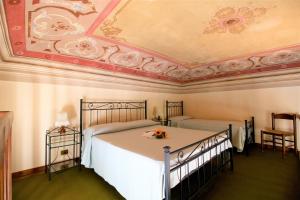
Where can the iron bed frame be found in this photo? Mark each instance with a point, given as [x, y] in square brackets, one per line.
[203, 174]
[113, 111]
[175, 108]
[174, 161]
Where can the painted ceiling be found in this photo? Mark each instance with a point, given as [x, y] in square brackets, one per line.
[175, 40]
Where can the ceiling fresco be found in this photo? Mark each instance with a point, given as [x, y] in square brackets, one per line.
[172, 40]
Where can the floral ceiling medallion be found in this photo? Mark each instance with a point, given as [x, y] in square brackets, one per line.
[233, 20]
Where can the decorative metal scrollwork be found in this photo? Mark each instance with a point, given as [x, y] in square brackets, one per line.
[175, 104]
[113, 105]
[181, 159]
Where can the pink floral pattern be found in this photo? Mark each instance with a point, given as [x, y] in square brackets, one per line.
[128, 59]
[233, 20]
[235, 65]
[158, 67]
[83, 47]
[282, 57]
[200, 72]
[55, 33]
[49, 25]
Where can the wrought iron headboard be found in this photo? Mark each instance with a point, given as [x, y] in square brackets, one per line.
[101, 112]
[174, 108]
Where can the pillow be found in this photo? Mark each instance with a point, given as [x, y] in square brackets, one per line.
[119, 126]
[140, 123]
[180, 118]
[176, 120]
[105, 128]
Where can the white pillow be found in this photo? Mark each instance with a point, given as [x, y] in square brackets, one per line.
[180, 118]
[105, 128]
[176, 120]
[140, 123]
[119, 126]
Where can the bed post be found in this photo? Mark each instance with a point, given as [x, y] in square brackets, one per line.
[167, 111]
[253, 130]
[145, 109]
[80, 123]
[167, 173]
[246, 146]
[231, 149]
[181, 108]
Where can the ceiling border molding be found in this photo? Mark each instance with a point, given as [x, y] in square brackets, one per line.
[253, 77]
[16, 68]
[280, 80]
[10, 71]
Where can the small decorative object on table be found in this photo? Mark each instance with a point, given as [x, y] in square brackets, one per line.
[63, 146]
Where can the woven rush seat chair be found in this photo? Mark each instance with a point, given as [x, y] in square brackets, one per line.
[279, 137]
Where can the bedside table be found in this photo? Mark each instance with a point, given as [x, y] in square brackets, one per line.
[62, 150]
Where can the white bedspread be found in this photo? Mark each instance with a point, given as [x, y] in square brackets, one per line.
[133, 164]
[238, 128]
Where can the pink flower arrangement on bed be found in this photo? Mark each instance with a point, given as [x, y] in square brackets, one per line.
[159, 134]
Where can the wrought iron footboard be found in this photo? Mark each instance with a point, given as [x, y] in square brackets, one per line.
[250, 135]
[195, 165]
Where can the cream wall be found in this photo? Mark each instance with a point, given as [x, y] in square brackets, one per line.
[241, 104]
[35, 106]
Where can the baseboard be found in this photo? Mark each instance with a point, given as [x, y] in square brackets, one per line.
[32, 171]
[28, 172]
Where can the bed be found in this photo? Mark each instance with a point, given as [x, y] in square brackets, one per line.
[117, 145]
[243, 132]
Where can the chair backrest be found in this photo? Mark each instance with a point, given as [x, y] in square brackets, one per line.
[287, 116]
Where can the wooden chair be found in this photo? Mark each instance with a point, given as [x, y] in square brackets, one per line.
[279, 134]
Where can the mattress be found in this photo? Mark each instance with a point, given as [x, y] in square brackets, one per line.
[238, 128]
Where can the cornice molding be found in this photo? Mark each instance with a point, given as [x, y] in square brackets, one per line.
[281, 80]
[29, 73]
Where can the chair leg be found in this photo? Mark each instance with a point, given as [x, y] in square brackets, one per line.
[274, 145]
[283, 146]
[295, 145]
[262, 141]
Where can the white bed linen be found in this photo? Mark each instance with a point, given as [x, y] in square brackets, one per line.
[238, 128]
[134, 175]
[107, 128]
